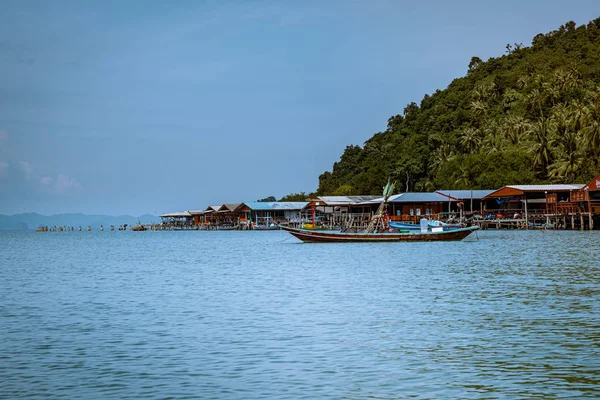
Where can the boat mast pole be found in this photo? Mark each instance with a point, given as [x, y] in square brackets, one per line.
[312, 209]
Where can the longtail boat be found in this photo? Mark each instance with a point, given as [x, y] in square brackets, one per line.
[308, 235]
[407, 226]
[378, 230]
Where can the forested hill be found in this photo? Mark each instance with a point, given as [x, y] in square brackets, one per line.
[529, 116]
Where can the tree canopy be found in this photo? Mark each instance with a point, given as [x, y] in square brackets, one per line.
[529, 116]
[295, 197]
[267, 199]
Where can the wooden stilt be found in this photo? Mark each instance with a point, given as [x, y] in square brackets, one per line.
[526, 216]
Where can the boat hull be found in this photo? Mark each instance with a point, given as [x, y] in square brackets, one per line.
[265, 228]
[332, 236]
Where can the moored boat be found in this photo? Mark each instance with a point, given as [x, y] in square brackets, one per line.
[432, 224]
[228, 228]
[139, 227]
[271, 227]
[307, 235]
[405, 226]
[378, 230]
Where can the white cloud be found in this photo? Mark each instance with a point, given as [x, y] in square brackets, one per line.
[46, 180]
[27, 168]
[3, 169]
[61, 184]
[64, 182]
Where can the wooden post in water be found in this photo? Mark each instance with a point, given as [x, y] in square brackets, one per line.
[547, 218]
[572, 209]
[312, 210]
[526, 216]
[591, 220]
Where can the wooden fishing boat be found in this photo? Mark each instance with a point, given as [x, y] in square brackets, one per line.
[378, 230]
[307, 235]
[139, 227]
[265, 227]
[228, 228]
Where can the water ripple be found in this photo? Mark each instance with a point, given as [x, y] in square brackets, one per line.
[251, 315]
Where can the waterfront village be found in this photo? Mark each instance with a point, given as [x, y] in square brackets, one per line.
[551, 206]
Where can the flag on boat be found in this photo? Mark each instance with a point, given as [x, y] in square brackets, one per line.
[388, 190]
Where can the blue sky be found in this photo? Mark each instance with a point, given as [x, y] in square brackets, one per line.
[133, 107]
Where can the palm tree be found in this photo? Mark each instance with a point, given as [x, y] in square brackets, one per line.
[566, 167]
[579, 114]
[542, 133]
[470, 139]
[595, 97]
[516, 127]
[484, 91]
[536, 98]
[591, 135]
[440, 156]
[479, 108]
[424, 185]
[493, 140]
[568, 157]
[566, 79]
[523, 81]
[463, 180]
[561, 117]
[553, 92]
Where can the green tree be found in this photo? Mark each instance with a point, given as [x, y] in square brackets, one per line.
[542, 134]
[267, 199]
[475, 62]
[470, 140]
[525, 117]
[295, 197]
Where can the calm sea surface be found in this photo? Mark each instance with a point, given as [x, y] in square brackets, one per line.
[244, 315]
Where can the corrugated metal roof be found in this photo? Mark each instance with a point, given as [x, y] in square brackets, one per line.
[411, 197]
[213, 208]
[345, 200]
[516, 190]
[359, 199]
[180, 214]
[230, 206]
[276, 205]
[547, 188]
[335, 199]
[197, 212]
[418, 197]
[466, 194]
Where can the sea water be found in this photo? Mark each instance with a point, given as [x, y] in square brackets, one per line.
[245, 315]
